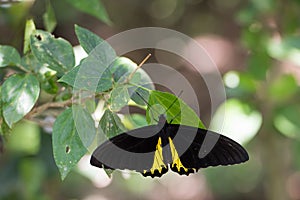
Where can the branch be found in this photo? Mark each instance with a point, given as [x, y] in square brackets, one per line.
[9, 2]
[139, 66]
[37, 110]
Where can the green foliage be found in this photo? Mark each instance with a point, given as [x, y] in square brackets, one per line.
[283, 89]
[67, 143]
[258, 66]
[92, 7]
[263, 97]
[286, 121]
[174, 108]
[248, 118]
[32, 174]
[134, 121]
[262, 107]
[287, 49]
[57, 53]
[93, 73]
[87, 39]
[119, 97]
[24, 138]
[101, 78]
[273, 51]
[49, 18]
[111, 124]
[9, 56]
[19, 94]
[29, 30]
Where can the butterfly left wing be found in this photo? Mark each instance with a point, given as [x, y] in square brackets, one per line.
[195, 148]
[138, 150]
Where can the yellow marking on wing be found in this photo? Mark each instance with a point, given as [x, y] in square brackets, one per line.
[175, 157]
[158, 162]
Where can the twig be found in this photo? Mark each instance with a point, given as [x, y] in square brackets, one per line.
[139, 66]
[45, 106]
[37, 110]
[42, 123]
[9, 2]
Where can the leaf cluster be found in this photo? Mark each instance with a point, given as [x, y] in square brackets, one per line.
[84, 99]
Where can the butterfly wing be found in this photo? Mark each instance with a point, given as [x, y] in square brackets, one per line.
[195, 148]
[138, 150]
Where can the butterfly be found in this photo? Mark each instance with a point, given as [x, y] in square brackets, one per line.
[151, 150]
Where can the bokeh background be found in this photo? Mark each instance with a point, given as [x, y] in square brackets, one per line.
[255, 45]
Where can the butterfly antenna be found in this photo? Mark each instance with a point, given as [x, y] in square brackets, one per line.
[147, 105]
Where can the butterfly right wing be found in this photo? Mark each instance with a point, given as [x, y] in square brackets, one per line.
[195, 148]
[138, 150]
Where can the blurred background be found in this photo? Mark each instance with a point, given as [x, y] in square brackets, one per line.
[255, 45]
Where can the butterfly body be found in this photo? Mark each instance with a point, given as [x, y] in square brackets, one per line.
[151, 150]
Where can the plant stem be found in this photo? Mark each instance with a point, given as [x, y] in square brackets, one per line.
[139, 66]
[37, 110]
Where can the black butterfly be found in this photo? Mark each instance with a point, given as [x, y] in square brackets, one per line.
[152, 149]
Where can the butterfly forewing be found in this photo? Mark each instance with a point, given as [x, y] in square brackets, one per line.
[138, 150]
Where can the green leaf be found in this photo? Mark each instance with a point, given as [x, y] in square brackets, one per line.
[19, 94]
[99, 138]
[30, 63]
[134, 91]
[134, 121]
[67, 143]
[91, 7]
[56, 52]
[87, 39]
[90, 105]
[174, 108]
[49, 18]
[239, 120]
[121, 69]
[29, 30]
[5, 130]
[93, 73]
[119, 97]
[286, 121]
[9, 56]
[49, 83]
[85, 125]
[111, 124]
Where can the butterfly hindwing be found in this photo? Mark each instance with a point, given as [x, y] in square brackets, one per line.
[139, 150]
